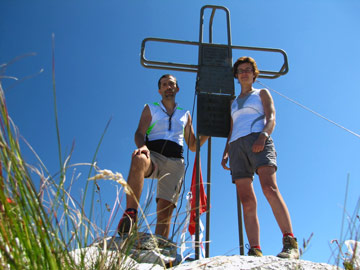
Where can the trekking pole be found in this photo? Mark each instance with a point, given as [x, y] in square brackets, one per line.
[197, 218]
[241, 236]
[208, 189]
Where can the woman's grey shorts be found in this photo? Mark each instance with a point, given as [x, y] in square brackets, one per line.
[170, 173]
[244, 162]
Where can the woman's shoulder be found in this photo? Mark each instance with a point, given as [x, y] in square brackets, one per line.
[258, 91]
[263, 92]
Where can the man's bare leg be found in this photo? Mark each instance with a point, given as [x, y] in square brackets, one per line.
[141, 166]
[164, 213]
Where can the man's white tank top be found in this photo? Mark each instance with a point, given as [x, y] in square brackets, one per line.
[247, 114]
[167, 127]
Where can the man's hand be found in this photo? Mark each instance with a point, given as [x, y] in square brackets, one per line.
[142, 150]
[224, 162]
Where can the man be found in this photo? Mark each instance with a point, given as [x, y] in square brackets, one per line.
[163, 126]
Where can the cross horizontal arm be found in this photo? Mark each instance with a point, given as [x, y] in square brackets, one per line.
[267, 74]
[167, 65]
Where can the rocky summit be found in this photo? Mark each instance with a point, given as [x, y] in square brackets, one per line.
[156, 253]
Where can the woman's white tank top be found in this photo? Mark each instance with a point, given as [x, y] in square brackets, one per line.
[247, 114]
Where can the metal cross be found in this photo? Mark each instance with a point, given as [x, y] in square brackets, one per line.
[215, 90]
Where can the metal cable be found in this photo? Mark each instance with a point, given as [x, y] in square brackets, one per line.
[310, 110]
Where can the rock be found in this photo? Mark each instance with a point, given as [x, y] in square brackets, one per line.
[93, 257]
[147, 252]
[143, 247]
[254, 263]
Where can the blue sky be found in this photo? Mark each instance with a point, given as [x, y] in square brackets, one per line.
[99, 77]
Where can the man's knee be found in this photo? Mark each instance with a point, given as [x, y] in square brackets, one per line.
[140, 162]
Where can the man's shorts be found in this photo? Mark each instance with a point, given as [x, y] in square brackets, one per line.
[170, 173]
[244, 162]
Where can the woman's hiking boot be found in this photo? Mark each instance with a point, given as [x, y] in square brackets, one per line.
[255, 252]
[290, 248]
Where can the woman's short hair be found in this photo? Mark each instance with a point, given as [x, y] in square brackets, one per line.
[246, 59]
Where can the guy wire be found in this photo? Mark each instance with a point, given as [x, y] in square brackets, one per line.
[310, 110]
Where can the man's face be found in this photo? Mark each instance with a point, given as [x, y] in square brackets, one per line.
[168, 88]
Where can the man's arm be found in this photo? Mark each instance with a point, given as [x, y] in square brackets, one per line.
[140, 132]
[269, 110]
[190, 138]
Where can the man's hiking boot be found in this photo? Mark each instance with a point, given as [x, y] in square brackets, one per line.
[128, 221]
[255, 252]
[290, 248]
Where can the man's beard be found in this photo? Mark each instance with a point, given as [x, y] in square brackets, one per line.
[169, 93]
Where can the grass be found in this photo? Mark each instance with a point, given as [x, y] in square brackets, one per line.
[28, 238]
[346, 249]
[40, 225]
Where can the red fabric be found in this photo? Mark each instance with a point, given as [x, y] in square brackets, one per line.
[203, 199]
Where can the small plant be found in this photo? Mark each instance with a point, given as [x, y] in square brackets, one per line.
[305, 245]
[351, 257]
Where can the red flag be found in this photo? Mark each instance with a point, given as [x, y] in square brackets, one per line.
[203, 199]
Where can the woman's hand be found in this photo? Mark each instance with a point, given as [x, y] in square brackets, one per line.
[259, 144]
[224, 162]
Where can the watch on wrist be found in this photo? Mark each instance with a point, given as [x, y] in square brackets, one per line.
[265, 134]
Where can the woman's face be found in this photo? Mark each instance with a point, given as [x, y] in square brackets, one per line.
[245, 73]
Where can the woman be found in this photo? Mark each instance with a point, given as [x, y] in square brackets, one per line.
[251, 149]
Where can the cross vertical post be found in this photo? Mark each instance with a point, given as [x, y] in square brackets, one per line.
[214, 89]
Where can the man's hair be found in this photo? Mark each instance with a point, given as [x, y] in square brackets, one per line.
[167, 76]
[246, 59]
